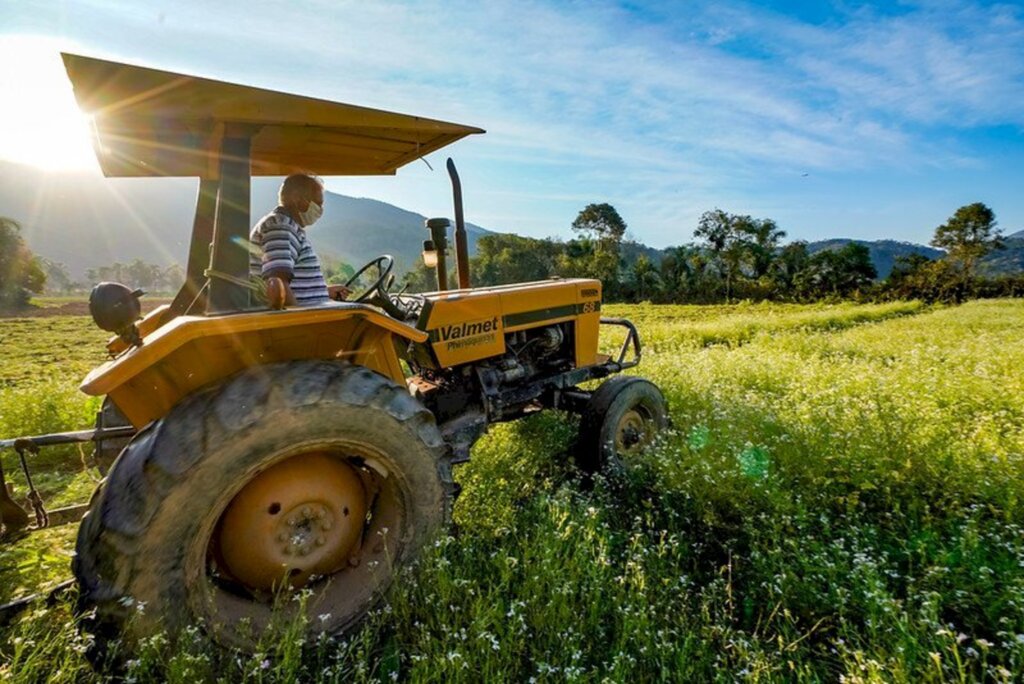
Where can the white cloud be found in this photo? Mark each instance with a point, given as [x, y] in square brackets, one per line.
[653, 110]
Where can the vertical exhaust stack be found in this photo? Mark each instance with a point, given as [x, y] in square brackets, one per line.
[461, 241]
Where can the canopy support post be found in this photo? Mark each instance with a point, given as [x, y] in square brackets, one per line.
[229, 254]
[199, 248]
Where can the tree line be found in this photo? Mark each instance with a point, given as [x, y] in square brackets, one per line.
[733, 257]
[23, 274]
[736, 257]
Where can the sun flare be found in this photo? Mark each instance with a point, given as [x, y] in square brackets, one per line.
[40, 123]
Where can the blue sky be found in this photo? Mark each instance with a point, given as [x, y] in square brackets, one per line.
[835, 119]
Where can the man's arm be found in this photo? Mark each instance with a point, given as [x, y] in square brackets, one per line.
[280, 250]
[279, 291]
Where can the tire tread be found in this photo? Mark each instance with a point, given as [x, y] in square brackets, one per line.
[126, 501]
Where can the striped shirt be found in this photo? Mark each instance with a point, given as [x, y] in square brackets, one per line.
[282, 249]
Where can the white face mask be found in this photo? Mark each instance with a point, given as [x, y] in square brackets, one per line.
[312, 214]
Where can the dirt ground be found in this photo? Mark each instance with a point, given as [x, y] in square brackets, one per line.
[70, 307]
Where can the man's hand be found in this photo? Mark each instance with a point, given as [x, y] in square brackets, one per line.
[277, 292]
[338, 293]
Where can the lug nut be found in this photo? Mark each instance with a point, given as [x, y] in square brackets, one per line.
[306, 512]
[326, 524]
[320, 541]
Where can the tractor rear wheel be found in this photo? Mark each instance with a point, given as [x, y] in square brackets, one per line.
[310, 474]
[621, 419]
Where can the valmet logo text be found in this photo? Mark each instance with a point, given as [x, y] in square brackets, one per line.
[470, 334]
[457, 332]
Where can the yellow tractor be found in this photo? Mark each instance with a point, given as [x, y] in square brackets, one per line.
[250, 450]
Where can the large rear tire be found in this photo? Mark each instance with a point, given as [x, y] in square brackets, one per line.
[621, 419]
[161, 530]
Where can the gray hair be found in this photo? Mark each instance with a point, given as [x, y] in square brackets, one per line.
[299, 186]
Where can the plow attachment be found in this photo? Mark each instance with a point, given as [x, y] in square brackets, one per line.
[14, 519]
[16, 522]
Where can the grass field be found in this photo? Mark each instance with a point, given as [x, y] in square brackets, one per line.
[842, 497]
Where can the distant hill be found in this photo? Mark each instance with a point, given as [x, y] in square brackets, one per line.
[883, 252]
[1008, 260]
[86, 221]
[631, 251]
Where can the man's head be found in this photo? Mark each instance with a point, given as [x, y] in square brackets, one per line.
[298, 192]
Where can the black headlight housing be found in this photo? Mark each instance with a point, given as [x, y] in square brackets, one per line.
[115, 308]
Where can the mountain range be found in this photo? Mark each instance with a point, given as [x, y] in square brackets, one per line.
[85, 221]
[883, 252]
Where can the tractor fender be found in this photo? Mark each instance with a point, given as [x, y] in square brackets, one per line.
[191, 352]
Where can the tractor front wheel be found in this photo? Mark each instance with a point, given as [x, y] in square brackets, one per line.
[310, 474]
[621, 419]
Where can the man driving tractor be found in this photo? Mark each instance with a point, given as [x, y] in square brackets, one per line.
[311, 448]
[284, 257]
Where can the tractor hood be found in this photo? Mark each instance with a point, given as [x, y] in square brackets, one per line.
[158, 123]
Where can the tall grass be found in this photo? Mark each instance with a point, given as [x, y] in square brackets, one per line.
[840, 499]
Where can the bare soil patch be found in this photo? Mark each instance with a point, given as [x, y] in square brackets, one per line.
[71, 308]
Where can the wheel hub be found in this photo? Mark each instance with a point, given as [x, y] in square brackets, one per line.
[304, 529]
[298, 519]
[631, 432]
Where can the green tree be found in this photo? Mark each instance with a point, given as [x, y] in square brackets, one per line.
[20, 271]
[142, 275]
[596, 254]
[58, 279]
[336, 271]
[504, 258]
[645, 280]
[790, 261]
[727, 239]
[600, 222]
[676, 272]
[915, 276]
[172, 278]
[421, 278]
[836, 272]
[688, 274]
[968, 235]
[907, 266]
[590, 259]
[763, 237]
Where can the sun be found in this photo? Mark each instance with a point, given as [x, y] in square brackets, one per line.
[40, 124]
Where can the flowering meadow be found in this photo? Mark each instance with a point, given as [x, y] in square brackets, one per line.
[840, 498]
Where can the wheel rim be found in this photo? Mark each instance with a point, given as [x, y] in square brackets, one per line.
[299, 519]
[238, 611]
[633, 431]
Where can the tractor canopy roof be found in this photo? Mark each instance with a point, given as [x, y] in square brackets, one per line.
[148, 122]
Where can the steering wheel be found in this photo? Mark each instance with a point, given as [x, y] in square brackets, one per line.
[384, 264]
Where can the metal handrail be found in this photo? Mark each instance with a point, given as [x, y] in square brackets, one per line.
[632, 340]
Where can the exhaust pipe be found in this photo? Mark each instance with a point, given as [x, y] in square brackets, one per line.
[461, 241]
